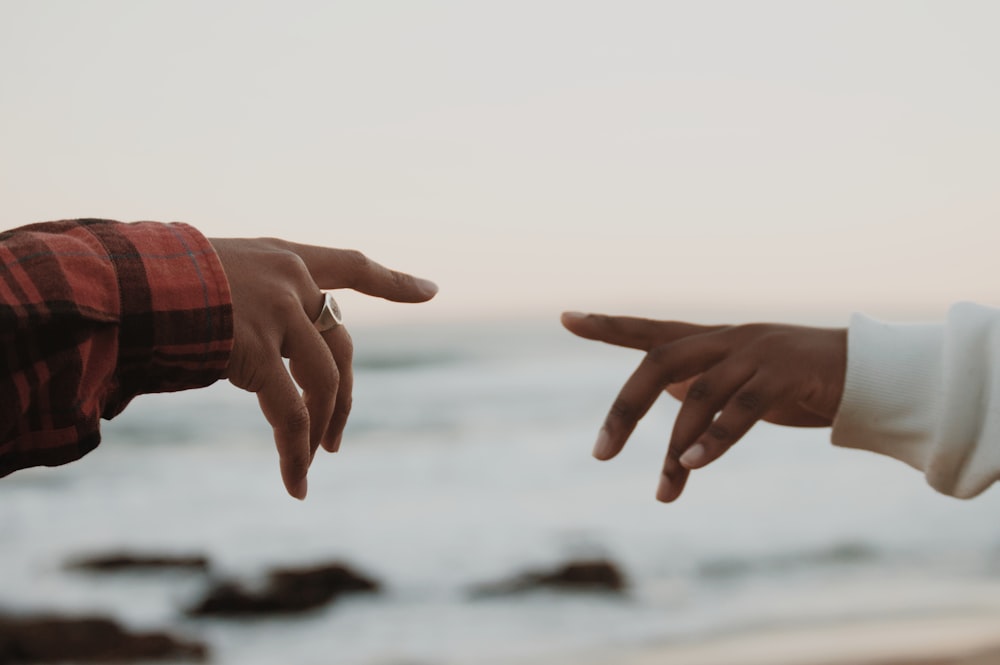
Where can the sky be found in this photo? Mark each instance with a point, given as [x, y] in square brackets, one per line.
[707, 160]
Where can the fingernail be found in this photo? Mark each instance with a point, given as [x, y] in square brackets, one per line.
[300, 490]
[426, 285]
[694, 456]
[336, 443]
[603, 448]
[665, 491]
[573, 316]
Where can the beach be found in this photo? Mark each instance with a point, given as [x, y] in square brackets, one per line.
[960, 640]
[467, 463]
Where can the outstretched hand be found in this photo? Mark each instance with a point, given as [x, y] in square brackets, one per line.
[276, 289]
[727, 378]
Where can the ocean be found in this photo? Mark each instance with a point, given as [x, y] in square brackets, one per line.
[466, 461]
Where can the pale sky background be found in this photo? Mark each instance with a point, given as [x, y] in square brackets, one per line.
[712, 160]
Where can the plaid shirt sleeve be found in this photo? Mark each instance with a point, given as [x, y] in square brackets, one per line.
[93, 313]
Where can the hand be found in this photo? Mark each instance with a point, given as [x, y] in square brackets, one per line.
[276, 294]
[727, 377]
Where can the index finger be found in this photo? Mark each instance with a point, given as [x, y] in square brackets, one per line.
[631, 332]
[350, 269]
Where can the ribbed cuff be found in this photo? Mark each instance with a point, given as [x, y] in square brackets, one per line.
[893, 390]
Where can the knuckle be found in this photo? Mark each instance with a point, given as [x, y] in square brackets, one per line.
[291, 272]
[295, 463]
[297, 419]
[285, 303]
[751, 330]
[622, 411]
[610, 323]
[617, 326]
[270, 243]
[749, 401]
[664, 359]
[356, 266]
[344, 406]
[323, 376]
[731, 332]
[719, 433]
[355, 259]
[289, 263]
[699, 391]
[328, 380]
[345, 353]
[400, 281]
[355, 256]
[659, 355]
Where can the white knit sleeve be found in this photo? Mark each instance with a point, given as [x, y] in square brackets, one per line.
[928, 395]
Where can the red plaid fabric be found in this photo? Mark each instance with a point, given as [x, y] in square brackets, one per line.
[93, 313]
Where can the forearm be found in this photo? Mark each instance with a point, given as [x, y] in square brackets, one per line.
[928, 395]
[94, 313]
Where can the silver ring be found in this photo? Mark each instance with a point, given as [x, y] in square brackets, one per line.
[330, 316]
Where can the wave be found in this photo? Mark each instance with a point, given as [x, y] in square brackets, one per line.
[848, 553]
[382, 362]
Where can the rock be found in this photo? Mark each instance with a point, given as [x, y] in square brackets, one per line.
[131, 561]
[288, 590]
[335, 578]
[594, 575]
[89, 639]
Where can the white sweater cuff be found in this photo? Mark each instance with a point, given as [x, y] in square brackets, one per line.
[893, 390]
[928, 395]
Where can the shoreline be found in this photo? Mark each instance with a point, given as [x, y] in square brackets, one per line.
[955, 639]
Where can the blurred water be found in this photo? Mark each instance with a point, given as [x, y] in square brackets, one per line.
[467, 460]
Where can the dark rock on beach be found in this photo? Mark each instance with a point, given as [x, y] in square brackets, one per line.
[288, 590]
[596, 575]
[57, 639]
[131, 561]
